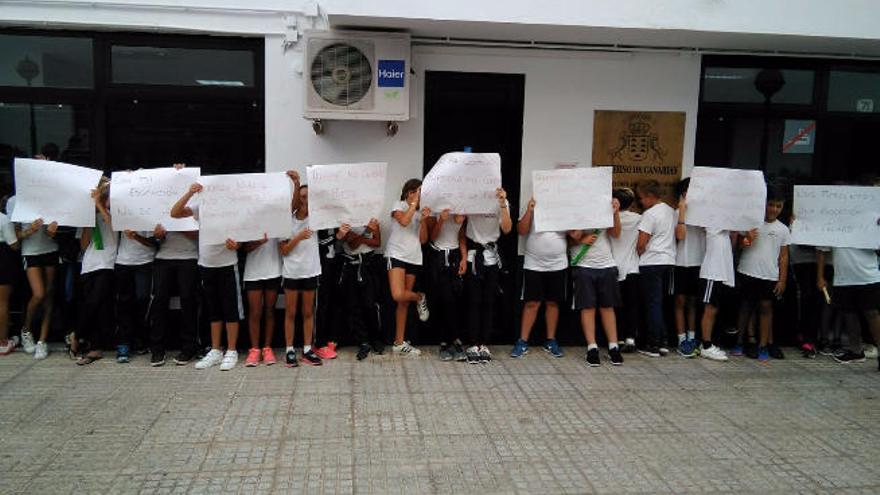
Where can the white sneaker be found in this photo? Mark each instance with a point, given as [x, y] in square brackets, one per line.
[870, 351]
[422, 308]
[27, 341]
[406, 349]
[212, 358]
[41, 350]
[230, 359]
[714, 353]
[663, 351]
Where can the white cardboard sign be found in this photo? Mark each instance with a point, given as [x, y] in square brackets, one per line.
[141, 199]
[465, 183]
[351, 193]
[244, 207]
[726, 198]
[576, 198]
[837, 216]
[55, 192]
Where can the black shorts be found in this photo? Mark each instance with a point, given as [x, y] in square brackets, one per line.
[8, 265]
[595, 287]
[755, 289]
[265, 284]
[410, 268]
[857, 297]
[685, 280]
[222, 293]
[47, 259]
[544, 286]
[711, 292]
[310, 283]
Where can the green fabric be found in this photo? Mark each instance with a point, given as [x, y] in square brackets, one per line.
[97, 240]
[583, 251]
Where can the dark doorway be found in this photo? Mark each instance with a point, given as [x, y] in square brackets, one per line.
[482, 111]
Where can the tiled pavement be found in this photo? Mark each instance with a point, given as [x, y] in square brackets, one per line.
[418, 425]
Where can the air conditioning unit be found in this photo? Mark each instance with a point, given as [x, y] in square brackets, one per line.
[353, 75]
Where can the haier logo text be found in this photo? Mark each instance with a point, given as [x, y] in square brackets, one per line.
[392, 73]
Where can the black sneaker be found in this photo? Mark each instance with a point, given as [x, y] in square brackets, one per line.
[184, 357]
[312, 358]
[593, 357]
[847, 357]
[157, 358]
[776, 352]
[446, 352]
[458, 351]
[363, 352]
[290, 359]
[650, 351]
[616, 357]
[473, 355]
[751, 350]
[378, 348]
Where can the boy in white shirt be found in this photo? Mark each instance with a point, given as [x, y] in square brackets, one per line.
[856, 291]
[545, 267]
[623, 249]
[716, 272]
[763, 268]
[689, 251]
[656, 248]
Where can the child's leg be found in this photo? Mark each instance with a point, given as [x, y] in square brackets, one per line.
[551, 318]
[49, 284]
[255, 316]
[708, 322]
[681, 313]
[765, 322]
[490, 295]
[125, 300]
[232, 335]
[308, 312]
[38, 295]
[270, 297]
[291, 298]
[609, 324]
[5, 291]
[473, 288]
[397, 280]
[402, 310]
[216, 334]
[588, 325]
[529, 315]
[691, 313]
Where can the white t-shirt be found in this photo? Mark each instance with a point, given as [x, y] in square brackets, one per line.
[216, 255]
[545, 251]
[263, 263]
[177, 246]
[659, 221]
[718, 262]
[7, 231]
[403, 243]
[39, 242]
[484, 229]
[623, 248]
[598, 255]
[854, 266]
[100, 259]
[133, 253]
[761, 259]
[448, 238]
[304, 260]
[690, 250]
[361, 249]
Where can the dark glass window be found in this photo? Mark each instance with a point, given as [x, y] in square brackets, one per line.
[850, 91]
[182, 66]
[737, 85]
[43, 61]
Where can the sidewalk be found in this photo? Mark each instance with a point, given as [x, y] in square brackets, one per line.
[418, 425]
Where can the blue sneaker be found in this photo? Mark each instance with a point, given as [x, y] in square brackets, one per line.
[122, 354]
[736, 350]
[553, 348]
[763, 354]
[686, 348]
[520, 349]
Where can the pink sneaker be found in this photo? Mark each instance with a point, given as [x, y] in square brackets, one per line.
[268, 356]
[327, 352]
[253, 358]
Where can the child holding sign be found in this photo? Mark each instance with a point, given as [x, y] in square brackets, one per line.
[262, 280]
[623, 248]
[689, 251]
[595, 286]
[301, 267]
[447, 262]
[763, 269]
[404, 253]
[545, 267]
[359, 285]
[218, 270]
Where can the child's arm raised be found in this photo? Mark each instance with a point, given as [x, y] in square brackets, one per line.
[462, 246]
[180, 210]
[295, 202]
[525, 222]
[504, 215]
[376, 240]
[405, 217]
[680, 227]
[615, 230]
[423, 226]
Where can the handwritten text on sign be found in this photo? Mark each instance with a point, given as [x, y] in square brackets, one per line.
[464, 183]
[141, 199]
[351, 193]
[837, 216]
[55, 192]
[724, 198]
[243, 207]
[578, 198]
